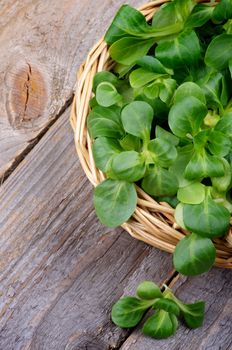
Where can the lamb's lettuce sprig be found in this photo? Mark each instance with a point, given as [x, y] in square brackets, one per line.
[130, 37]
[153, 79]
[144, 159]
[163, 323]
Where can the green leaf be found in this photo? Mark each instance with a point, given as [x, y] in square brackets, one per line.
[207, 219]
[93, 102]
[152, 90]
[222, 197]
[152, 102]
[184, 9]
[225, 124]
[189, 89]
[107, 95]
[219, 144]
[122, 69]
[105, 122]
[153, 65]
[163, 88]
[129, 49]
[128, 21]
[186, 116]
[128, 311]
[223, 183]
[178, 167]
[140, 77]
[167, 89]
[131, 37]
[102, 77]
[115, 201]
[162, 152]
[126, 91]
[200, 140]
[179, 215]
[192, 194]
[183, 50]
[166, 135]
[128, 166]
[225, 88]
[173, 12]
[160, 182]
[230, 67]
[131, 143]
[222, 11]
[213, 88]
[228, 28]
[194, 255]
[219, 52]
[199, 16]
[161, 325]
[137, 119]
[167, 305]
[148, 290]
[104, 149]
[203, 165]
[194, 314]
[165, 15]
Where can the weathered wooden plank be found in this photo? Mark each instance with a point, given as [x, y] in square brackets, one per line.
[215, 288]
[60, 269]
[42, 44]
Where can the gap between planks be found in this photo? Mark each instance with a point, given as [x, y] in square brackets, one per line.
[35, 141]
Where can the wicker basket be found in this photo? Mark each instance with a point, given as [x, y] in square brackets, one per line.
[152, 222]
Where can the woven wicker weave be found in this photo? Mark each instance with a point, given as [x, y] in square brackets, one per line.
[152, 222]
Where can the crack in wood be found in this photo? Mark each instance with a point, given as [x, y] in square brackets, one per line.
[171, 280]
[27, 87]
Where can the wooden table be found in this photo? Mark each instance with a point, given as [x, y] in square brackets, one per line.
[60, 269]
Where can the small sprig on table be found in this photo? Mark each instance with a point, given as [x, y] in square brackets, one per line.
[129, 311]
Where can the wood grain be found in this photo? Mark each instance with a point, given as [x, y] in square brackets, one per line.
[60, 269]
[42, 44]
[215, 288]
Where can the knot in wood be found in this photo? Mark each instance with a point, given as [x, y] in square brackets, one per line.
[26, 97]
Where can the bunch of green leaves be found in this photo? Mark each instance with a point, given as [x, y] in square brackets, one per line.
[130, 37]
[129, 311]
[153, 79]
[163, 121]
[124, 151]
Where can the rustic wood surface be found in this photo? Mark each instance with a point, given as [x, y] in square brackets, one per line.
[60, 269]
[42, 44]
